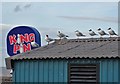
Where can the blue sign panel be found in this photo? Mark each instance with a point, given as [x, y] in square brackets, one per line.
[21, 39]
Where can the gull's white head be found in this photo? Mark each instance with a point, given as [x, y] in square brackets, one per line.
[90, 30]
[76, 31]
[99, 29]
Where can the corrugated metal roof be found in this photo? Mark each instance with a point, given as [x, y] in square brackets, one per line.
[73, 48]
[70, 48]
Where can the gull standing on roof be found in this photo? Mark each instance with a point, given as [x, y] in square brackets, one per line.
[78, 34]
[61, 35]
[101, 32]
[111, 32]
[34, 44]
[92, 33]
[47, 39]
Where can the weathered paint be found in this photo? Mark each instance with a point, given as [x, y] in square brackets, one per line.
[109, 70]
[56, 70]
[40, 71]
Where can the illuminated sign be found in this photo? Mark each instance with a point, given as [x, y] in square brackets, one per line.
[21, 39]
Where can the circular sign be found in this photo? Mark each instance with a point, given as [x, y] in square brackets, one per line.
[21, 39]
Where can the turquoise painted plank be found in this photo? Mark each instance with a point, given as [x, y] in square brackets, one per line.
[104, 71]
[55, 71]
[14, 73]
[15, 70]
[115, 71]
[51, 73]
[13, 78]
[27, 71]
[41, 71]
[45, 71]
[31, 71]
[36, 64]
[60, 71]
[22, 71]
[101, 71]
[17, 67]
[110, 71]
[65, 72]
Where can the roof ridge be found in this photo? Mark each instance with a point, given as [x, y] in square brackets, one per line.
[64, 41]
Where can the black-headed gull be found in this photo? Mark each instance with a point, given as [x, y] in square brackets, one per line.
[34, 44]
[47, 39]
[78, 34]
[92, 33]
[61, 35]
[101, 32]
[111, 32]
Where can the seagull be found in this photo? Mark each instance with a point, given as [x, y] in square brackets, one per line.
[47, 39]
[61, 35]
[101, 32]
[92, 33]
[78, 34]
[17, 8]
[111, 32]
[34, 44]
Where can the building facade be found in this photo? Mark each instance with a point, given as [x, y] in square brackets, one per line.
[83, 61]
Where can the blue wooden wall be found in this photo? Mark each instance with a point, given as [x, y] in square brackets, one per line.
[56, 70]
[40, 71]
